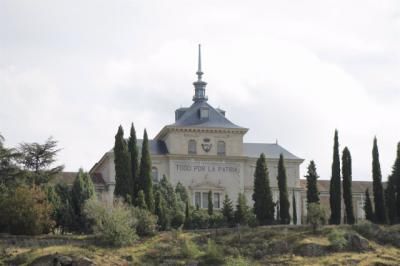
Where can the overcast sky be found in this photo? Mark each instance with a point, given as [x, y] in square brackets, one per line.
[288, 70]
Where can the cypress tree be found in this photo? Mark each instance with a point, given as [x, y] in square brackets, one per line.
[312, 189]
[347, 181]
[145, 178]
[188, 218]
[227, 210]
[390, 200]
[369, 213]
[160, 210]
[379, 201]
[210, 203]
[123, 177]
[334, 191]
[262, 196]
[141, 201]
[134, 156]
[284, 204]
[294, 209]
[396, 181]
[242, 210]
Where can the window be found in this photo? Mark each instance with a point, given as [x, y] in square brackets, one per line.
[192, 147]
[216, 203]
[154, 173]
[221, 148]
[204, 112]
[205, 199]
[197, 199]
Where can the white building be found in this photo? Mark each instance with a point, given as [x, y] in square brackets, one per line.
[205, 151]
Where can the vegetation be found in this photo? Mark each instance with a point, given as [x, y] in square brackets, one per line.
[242, 212]
[284, 205]
[262, 195]
[369, 213]
[312, 189]
[294, 209]
[379, 202]
[227, 211]
[315, 215]
[334, 191]
[134, 159]
[145, 178]
[123, 175]
[347, 181]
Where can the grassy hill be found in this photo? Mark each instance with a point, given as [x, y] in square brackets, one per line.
[273, 245]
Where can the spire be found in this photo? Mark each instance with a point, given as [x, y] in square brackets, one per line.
[199, 85]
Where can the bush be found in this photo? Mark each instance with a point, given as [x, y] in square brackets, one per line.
[190, 249]
[217, 220]
[178, 219]
[115, 225]
[146, 222]
[367, 229]
[238, 261]
[315, 215]
[337, 239]
[200, 219]
[27, 212]
[213, 253]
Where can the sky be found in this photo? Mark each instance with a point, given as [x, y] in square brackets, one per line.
[290, 71]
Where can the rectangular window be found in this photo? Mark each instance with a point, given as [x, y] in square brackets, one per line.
[204, 113]
[216, 201]
[205, 199]
[197, 199]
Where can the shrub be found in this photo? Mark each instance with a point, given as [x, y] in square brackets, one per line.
[337, 239]
[213, 253]
[217, 220]
[367, 229]
[200, 219]
[146, 222]
[27, 211]
[238, 261]
[190, 249]
[178, 219]
[315, 215]
[115, 225]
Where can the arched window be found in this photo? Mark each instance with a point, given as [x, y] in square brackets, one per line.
[221, 148]
[154, 173]
[192, 147]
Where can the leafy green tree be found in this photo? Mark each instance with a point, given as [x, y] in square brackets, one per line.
[145, 177]
[284, 205]
[82, 190]
[160, 210]
[227, 210]
[134, 157]
[38, 159]
[210, 208]
[315, 215]
[347, 181]
[181, 191]
[396, 177]
[123, 176]
[262, 196]
[242, 210]
[10, 173]
[141, 200]
[334, 191]
[369, 213]
[379, 201]
[294, 209]
[312, 189]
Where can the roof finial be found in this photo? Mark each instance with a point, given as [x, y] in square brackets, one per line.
[199, 72]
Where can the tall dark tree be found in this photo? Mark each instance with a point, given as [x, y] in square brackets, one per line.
[141, 200]
[396, 177]
[390, 200]
[82, 190]
[145, 178]
[38, 160]
[262, 196]
[284, 205]
[379, 200]
[160, 210]
[188, 215]
[210, 208]
[347, 181]
[294, 209]
[227, 210]
[123, 176]
[369, 213]
[334, 191]
[312, 189]
[134, 157]
[181, 191]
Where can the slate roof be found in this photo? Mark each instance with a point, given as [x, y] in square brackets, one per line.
[271, 150]
[356, 186]
[191, 117]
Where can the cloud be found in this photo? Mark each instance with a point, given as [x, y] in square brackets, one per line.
[292, 71]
